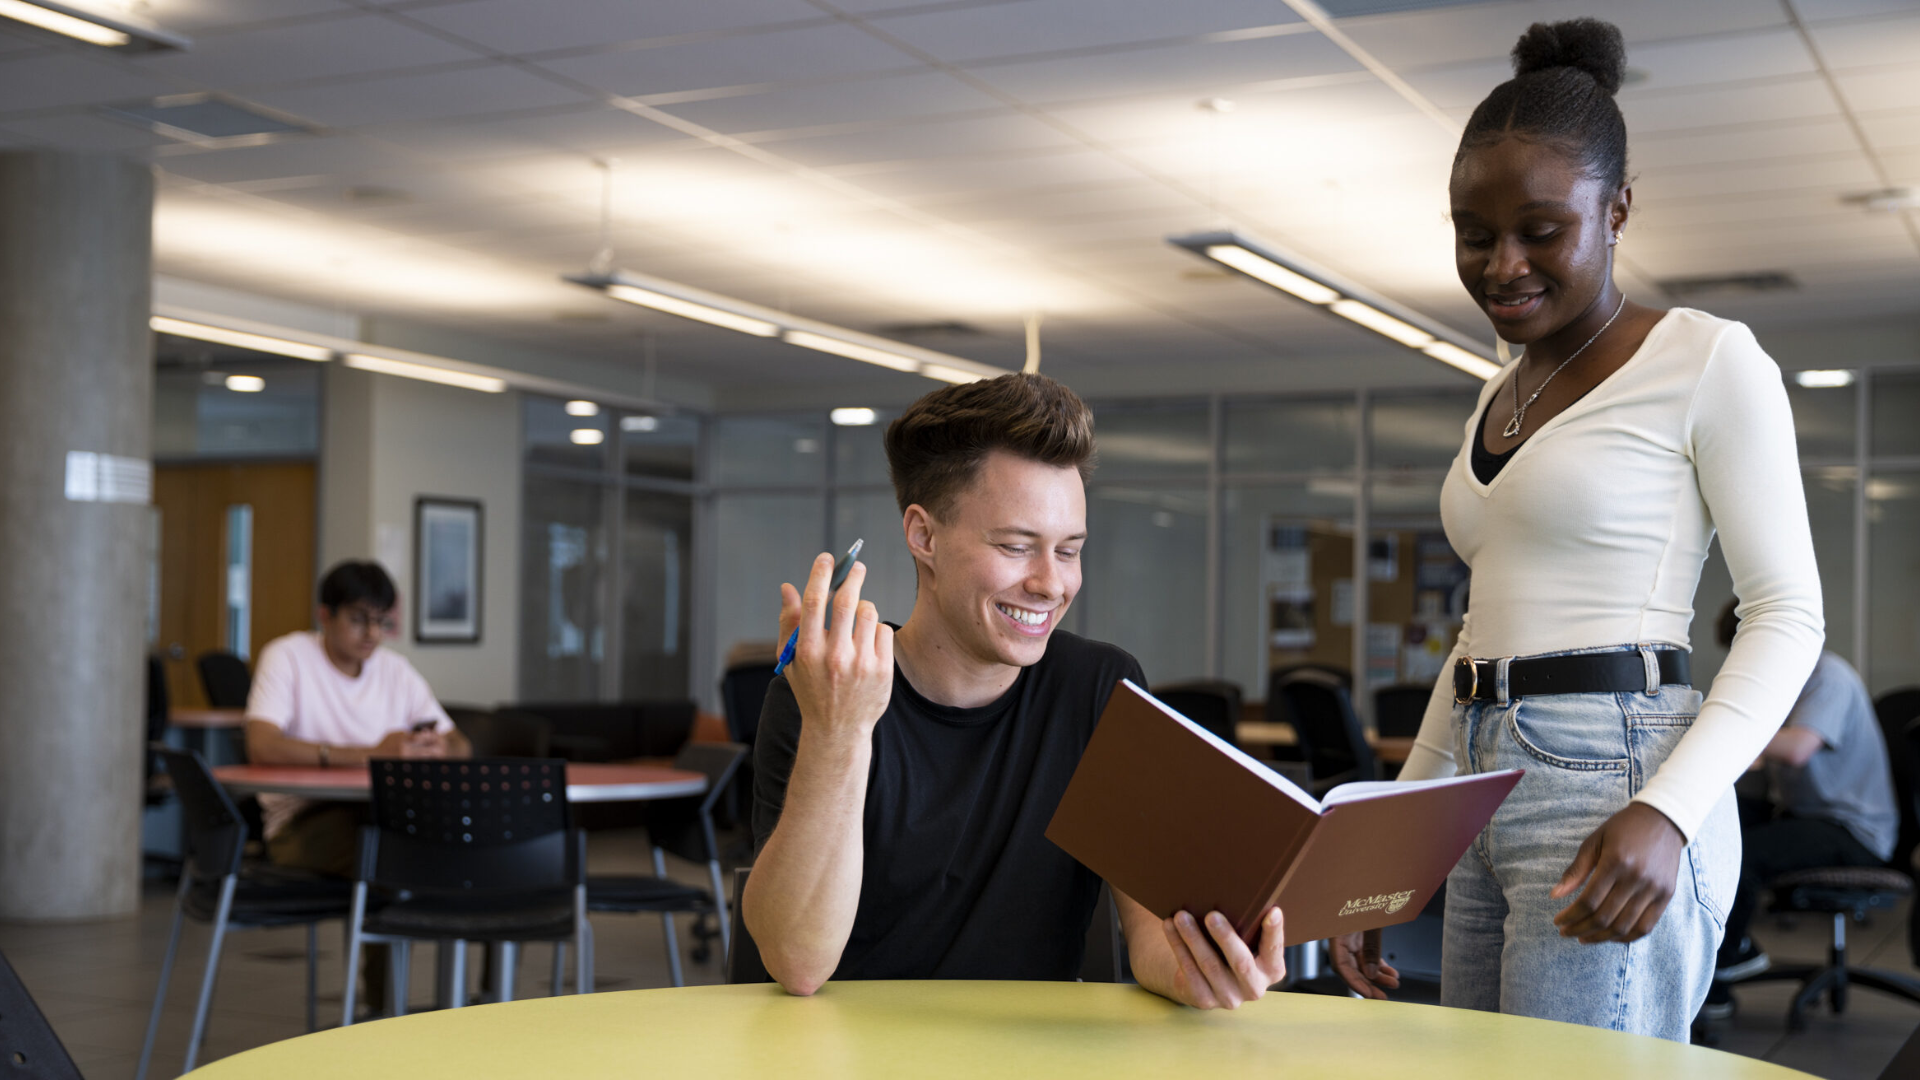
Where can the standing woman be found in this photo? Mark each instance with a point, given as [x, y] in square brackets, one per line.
[1593, 476]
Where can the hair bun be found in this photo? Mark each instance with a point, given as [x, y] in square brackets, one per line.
[1593, 46]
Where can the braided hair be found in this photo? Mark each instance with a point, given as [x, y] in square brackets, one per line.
[1564, 77]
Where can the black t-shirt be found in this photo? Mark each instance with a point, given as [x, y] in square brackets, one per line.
[959, 881]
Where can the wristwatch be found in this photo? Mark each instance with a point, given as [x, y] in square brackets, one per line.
[326, 756]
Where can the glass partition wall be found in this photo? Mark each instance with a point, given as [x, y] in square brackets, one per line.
[1223, 537]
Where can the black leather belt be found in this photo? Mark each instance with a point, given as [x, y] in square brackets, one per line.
[1582, 673]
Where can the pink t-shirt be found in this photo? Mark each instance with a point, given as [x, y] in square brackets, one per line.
[298, 690]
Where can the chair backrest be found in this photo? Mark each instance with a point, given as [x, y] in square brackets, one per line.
[1214, 704]
[213, 831]
[28, 1047]
[157, 708]
[503, 734]
[685, 826]
[225, 678]
[1277, 705]
[743, 692]
[470, 825]
[617, 730]
[743, 958]
[1398, 710]
[1322, 716]
[1896, 709]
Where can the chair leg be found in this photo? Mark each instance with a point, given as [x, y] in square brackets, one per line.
[1886, 982]
[399, 976]
[220, 916]
[1808, 995]
[582, 946]
[504, 970]
[354, 917]
[453, 973]
[720, 909]
[559, 968]
[313, 977]
[673, 949]
[166, 972]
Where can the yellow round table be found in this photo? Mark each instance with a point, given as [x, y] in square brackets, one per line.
[970, 1029]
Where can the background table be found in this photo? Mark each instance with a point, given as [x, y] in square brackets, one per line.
[1389, 748]
[980, 1029]
[585, 783]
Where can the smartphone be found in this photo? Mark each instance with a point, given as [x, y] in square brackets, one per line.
[421, 727]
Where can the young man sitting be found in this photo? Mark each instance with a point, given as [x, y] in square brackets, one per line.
[904, 778]
[335, 697]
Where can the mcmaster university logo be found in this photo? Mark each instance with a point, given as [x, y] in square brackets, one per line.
[1387, 902]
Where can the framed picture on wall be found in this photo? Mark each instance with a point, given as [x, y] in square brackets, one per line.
[446, 570]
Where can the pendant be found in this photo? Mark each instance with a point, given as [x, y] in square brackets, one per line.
[1512, 428]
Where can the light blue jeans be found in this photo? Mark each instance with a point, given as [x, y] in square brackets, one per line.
[1585, 756]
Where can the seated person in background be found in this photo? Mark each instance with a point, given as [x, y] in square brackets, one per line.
[335, 697]
[904, 778]
[1832, 790]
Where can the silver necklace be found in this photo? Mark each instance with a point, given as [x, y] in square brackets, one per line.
[1520, 408]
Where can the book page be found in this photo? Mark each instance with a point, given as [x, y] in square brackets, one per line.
[1371, 789]
[1249, 762]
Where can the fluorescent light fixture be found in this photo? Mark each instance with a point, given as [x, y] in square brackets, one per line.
[239, 339]
[1303, 280]
[1382, 323]
[687, 309]
[586, 436]
[90, 26]
[639, 423]
[486, 384]
[950, 374]
[1472, 363]
[1254, 266]
[854, 351]
[246, 384]
[582, 408]
[853, 417]
[1824, 379]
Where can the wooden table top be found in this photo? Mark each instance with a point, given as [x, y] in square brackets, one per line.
[207, 719]
[854, 1030]
[585, 782]
[1391, 748]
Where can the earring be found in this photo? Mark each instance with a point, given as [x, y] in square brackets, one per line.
[1616, 237]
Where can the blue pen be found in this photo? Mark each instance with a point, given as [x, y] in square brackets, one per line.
[840, 571]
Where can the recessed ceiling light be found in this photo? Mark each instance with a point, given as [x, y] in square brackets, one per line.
[464, 379]
[853, 417]
[852, 350]
[582, 408]
[688, 309]
[246, 384]
[118, 31]
[1823, 379]
[1381, 323]
[586, 436]
[299, 350]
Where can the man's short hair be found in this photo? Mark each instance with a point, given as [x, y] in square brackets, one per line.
[936, 447]
[1727, 623]
[355, 582]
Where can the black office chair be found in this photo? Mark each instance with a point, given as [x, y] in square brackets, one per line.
[1840, 892]
[158, 789]
[479, 849]
[218, 886]
[1214, 704]
[1896, 709]
[225, 678]
[685, 828]
[1398, 709]
[1321, 712]
[743, 690]
[743, 956]
[503, 733]
[28, 1047]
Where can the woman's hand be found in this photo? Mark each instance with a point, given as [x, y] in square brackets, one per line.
[1215, 968]
[1357, 958]
[1630, 865]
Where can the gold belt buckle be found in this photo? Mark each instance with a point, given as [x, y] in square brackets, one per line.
[1474, 687]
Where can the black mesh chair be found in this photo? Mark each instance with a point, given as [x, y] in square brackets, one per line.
[225, 678]
[743, 956]
[1316, 703]
[218, 886]
[683, 827]
[503, 733]
[469, 850]
[743, 690]
[158, 705]
[1214, 704]
[29, 1049]
[1398, 709]
[1895, 710]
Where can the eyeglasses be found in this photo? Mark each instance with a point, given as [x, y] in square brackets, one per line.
[364, 621]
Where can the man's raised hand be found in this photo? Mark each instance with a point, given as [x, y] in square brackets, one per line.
[842, 675]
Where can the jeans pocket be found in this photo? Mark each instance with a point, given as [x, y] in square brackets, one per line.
[1713, 857]
[1582, 736]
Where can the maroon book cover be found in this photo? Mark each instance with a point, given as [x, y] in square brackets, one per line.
[1177, 819]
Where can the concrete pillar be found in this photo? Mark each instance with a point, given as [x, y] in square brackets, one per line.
[76, 374]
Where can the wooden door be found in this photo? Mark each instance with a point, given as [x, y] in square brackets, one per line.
[194, 501]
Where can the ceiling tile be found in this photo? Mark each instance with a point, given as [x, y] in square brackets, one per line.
[54, 80]
[400, 98]
[1870, 43]
[306, 51]
[1819, 10]
[1848, 172]
[1747, 143]
[1486, 32]
[198, 17]
[526, 26]
[1875, 91]
[1009, 133]
[1202, 70]
[978, 33]
[1787, 98]
[1892, 130]
[820, 52]
[883, 97]
[300, 157]
[86, 131]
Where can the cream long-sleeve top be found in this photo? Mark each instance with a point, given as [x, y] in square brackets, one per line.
[1594, 532]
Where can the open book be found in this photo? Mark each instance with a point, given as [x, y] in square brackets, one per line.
[1178, 819]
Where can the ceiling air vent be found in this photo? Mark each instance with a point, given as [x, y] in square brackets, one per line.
[1763, 281]
[208, 120]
